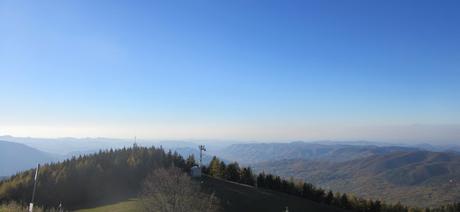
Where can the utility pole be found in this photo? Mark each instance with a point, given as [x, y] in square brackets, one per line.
[202, 148]
[31, 206]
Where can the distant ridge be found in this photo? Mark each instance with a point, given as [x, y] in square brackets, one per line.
[15, 157]
[417, 178]
[260, 152]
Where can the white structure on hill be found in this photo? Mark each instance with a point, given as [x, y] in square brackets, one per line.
[195, 171]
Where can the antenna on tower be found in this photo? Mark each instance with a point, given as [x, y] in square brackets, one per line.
[202, 148]
[31, 206]
[135, 142]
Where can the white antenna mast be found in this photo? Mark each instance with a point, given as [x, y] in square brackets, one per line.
[135, 142]
[31, 206]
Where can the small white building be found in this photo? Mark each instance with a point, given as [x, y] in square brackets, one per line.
[195, 171]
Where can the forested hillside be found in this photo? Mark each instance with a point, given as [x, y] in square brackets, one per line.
[233, 172]
[418, 178]
[111, 174]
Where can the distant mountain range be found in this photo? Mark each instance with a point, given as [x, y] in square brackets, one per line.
[16, 157]
[67, 147]
[260, 152]
[417, 178]
[410, 175]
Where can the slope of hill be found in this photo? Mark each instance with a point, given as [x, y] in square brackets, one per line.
[130, 205]
[260, 152]
[16, 157]
[237, 197]
[418, 178]
[76, 182]
[114, 175]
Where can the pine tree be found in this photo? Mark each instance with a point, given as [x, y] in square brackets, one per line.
[329, 197]
[261, 182]
[222, 169]
[232, 172]
[247, 177]
[344, 202]
[190, 162]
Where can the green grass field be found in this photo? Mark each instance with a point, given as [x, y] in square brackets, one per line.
[130, 205]
[236, 197]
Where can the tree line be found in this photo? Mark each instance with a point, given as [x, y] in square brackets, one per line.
[245, 175]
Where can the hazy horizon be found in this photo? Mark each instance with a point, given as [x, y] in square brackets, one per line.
[20, 139]
[259, 70]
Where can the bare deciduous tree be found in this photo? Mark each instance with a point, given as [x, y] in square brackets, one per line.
[171, 190]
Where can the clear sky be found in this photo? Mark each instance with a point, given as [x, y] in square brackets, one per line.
[384, 70]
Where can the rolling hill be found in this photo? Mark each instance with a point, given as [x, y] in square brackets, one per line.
[15, 157]
[112, 176]
[417, 178]
[236, 197]
[259, 152]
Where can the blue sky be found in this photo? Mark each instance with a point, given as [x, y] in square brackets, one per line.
[247, 70]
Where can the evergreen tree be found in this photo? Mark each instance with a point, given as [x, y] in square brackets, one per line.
[329, 198]
[222, 169]
[344, 202]
[247, 177]
[190, 162]
[261, 182]
[232, 172]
